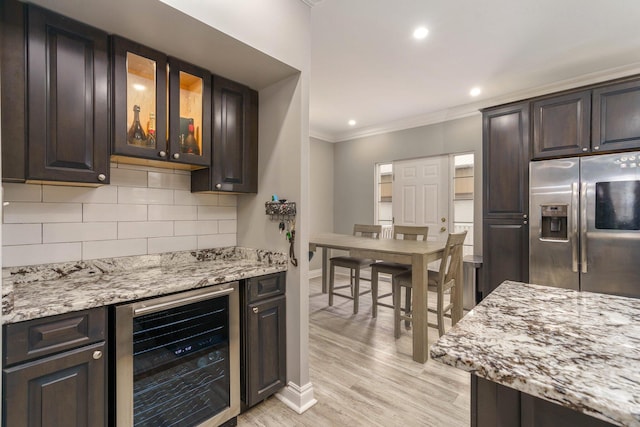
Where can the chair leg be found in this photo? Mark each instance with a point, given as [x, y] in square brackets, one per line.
[440, 313]
[332, 274]
[407, 306]
[374, 292]
[356, 291]
[396, 310]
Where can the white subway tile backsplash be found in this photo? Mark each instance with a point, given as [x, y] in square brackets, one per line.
[228, 200]
[114, 248]
[217, 241]
[149, 196]
[189, 198]
[79, 232]
[22, 192]
[27, 213]
[195, 228]
[228, 226]
[172, 213]
[144, 210]
[40, 254]
[217, 212]
[134, 230]
[128, 177]
[169, 180]
[21, 234]
[102, 213]
[58, 193]
[170, 244]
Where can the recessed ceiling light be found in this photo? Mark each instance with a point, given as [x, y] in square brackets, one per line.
[352, 122]
[475, 91]
[420, 33]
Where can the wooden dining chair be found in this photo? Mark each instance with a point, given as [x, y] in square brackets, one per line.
[403, 232]
[443, 282]
[355, 265]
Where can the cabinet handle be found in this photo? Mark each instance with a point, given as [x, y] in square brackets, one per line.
[102, 177]
[597, 147]
[97, 354]
[162, 154]
[176, 155]
[218, 186]
[255, 310]
[585, 149]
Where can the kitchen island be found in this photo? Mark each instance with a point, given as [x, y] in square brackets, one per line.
[545, 356]
[32, 292]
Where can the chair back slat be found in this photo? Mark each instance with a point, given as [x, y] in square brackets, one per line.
[367, 230]
[452, 258]
[409, 232]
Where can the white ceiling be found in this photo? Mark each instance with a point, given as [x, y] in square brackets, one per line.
[366, 66]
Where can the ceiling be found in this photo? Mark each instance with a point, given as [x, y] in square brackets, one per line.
[366, 66]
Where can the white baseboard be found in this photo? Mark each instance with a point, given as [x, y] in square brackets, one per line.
[297, 398]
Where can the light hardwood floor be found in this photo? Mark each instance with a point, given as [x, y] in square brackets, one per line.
[362, 376]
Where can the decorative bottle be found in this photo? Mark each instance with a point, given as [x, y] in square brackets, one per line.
[190, 143]
[136, 135]
[151, 130]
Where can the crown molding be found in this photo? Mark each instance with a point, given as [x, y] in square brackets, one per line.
[312, 3]
[471, 109]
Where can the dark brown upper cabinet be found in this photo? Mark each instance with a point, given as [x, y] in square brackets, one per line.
[616, 117]
[561, 125]
[68, 100]
[189, 114]
[234, 166]
[139, 105]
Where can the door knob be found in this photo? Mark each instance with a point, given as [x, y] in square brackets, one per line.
[443, 229]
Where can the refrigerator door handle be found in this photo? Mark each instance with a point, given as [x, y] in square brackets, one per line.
[574, 226]
[583, 227]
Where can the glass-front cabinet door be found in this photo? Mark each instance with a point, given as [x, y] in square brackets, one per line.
[189, 113]
[139, 107]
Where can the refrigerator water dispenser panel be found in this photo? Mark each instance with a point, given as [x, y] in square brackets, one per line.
[553, 222]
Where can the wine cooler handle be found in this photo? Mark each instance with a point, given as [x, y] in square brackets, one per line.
[102, 177]
[162, 154]
[180, 301]
[176, 155]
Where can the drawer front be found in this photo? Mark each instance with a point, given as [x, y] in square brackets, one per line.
[36, 338]
[262, 287]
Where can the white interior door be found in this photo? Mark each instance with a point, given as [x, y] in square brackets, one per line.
[421, 194]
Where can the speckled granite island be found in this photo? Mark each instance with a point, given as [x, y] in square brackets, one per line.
[44, 290]
[536, 351]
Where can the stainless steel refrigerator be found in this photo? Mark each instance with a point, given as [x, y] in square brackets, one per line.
[585, 223]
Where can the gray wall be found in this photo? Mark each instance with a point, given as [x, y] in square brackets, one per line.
[321, 178]
[354, 162]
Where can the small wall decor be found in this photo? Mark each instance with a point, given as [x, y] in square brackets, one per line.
[285, 212]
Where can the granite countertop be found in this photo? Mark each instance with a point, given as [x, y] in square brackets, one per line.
[44, 290]
[577, 349]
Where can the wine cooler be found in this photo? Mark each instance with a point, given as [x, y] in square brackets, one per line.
[177, 359]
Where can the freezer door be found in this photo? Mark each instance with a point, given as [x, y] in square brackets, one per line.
[553, 215]
[611, 236]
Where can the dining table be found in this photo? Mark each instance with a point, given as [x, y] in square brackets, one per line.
[416, 253]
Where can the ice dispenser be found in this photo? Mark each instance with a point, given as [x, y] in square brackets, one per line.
[554, 222]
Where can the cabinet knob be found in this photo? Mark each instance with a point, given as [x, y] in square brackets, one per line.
[524, 216]
[102, 177]
[218, 186]
[597, 147]
[524, 222]
[162, 154]
[97, 354]
[176, 155]
[255, 310]
[585, 149]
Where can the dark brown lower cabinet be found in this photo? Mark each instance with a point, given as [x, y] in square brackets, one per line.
[495, 405]
[263, 366]
[67, 389]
